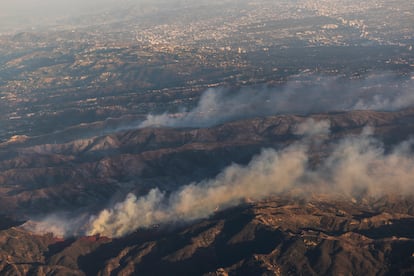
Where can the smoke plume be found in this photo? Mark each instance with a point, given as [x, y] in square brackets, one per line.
[313, 128]
[259, 179]
[301, 95]
[357, 166]
[60, 224]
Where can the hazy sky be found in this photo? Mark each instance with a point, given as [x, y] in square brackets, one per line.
[31, 13]
[23, 14]
[58, 7]
[28, 13]
[19, 7]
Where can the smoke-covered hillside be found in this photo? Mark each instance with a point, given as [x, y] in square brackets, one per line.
[186, 137]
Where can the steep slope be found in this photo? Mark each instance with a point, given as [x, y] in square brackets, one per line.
[85, 173]
[278, 236]
[289, 234]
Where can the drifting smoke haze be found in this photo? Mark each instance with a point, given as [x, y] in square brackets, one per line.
[34, 13]
[61, 225]
[199, 200]
[19, 15]
[358, 166]
[313, 128]
[301, 95]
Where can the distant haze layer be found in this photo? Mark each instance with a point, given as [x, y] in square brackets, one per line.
[301, 95]
[15, 14]
[34, 13]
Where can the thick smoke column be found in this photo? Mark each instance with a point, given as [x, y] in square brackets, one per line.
[267, 174]
[302, 95]
[357, 166]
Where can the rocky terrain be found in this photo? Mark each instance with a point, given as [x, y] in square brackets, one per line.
[38, 174]
[285, 234]
[206, 137]
[277, 236]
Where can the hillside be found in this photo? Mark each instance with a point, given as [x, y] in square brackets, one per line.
[301, 229]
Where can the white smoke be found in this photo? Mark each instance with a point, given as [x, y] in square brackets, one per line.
[357, 166]
[313, 128]
[302, 95]
[269, 173]
[400, 99]
[60, 224]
